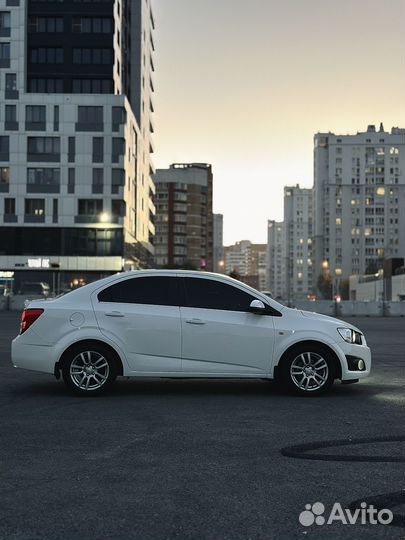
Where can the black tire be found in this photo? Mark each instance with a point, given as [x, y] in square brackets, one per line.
[89, 370]
[318, 370]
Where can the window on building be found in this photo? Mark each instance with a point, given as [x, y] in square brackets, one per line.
[43, 149]
[43, 180]
[56, 117]
[98, 150]
[117, 180]
[4, 179]
[9, 207]
[92, 25]
[71, 180]
[5, 55]
[11, 91]
[119, 117]
[98, 179]
[92, 86]
[10, 121]
[118, 149]
[55, 210]
[89, 118]
[45, 25]
[71, 149]
[34, 210]
[4, 148]
[5, 25]
[90, 207]
[44, 86]
[118, 207]
[87, 56]
[46, 55]
[35, 117]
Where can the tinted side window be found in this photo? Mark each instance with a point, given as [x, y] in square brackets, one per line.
[160, 291]
[204, 293]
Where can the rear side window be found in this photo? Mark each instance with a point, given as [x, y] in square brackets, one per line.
[161, 291]
[205, 293]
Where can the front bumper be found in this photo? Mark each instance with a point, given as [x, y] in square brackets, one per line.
[350, 355]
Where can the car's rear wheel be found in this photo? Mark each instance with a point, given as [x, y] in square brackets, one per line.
[308, 370]
[89, 370]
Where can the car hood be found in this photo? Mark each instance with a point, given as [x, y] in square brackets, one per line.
[327, 318]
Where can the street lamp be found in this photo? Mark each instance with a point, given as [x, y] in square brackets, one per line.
[104, 217]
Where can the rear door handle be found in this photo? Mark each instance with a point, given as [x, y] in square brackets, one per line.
[114, 314]
[195, 321]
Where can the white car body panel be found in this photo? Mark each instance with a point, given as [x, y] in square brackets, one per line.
[150, 335]
[157, 340]
[226, 342]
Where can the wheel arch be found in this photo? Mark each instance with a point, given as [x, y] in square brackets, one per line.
[311, 343]
[89, 342]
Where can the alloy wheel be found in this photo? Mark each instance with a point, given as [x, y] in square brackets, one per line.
[309, 371]
[89, 370]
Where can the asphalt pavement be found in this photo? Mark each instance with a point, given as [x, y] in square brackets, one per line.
[199, 459]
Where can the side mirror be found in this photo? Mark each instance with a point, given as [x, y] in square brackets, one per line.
[257, 306]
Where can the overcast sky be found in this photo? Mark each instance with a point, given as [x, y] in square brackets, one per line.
[244, 85]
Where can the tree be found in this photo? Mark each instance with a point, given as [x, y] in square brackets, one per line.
[372, 268]
[324, 285]
[344, 289]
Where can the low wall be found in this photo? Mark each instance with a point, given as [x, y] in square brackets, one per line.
[17, 301]
[347, 308]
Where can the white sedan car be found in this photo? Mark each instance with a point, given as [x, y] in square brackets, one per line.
[169, 323]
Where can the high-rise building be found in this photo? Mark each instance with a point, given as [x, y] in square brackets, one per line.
[248, 262]
[359, 198]
[219, 263]
[276, 260]
[184, 219]
[298, 242]
[76, 188]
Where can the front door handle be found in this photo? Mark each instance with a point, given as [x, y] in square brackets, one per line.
[195, 321]
[114, 314]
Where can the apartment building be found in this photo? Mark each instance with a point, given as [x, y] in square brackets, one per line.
[184, 218]
[298, 205]
[359, 201]
[248, 262]
[218, 225]
[276, 260]
[76, 188]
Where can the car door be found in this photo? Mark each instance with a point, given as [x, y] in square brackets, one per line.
[141, 314]
[219, 335]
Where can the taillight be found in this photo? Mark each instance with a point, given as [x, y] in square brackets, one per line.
[28, 318]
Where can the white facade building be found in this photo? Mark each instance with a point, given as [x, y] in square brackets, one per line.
[248, 261]
[276, 260]
[359, 200]
[298, 206]
[218, 235]
[76, 188]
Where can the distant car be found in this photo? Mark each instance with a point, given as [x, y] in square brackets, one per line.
[35, 288]
[169, 323]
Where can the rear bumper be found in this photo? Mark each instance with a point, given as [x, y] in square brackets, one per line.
[33, 357]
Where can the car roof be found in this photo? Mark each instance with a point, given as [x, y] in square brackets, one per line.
[87, 290]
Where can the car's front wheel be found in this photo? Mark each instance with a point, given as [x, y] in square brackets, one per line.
[89, 370]
[308, 370]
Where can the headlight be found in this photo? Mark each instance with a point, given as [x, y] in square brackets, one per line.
[351, 336]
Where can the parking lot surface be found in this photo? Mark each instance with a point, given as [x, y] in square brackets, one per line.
[199, 459]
